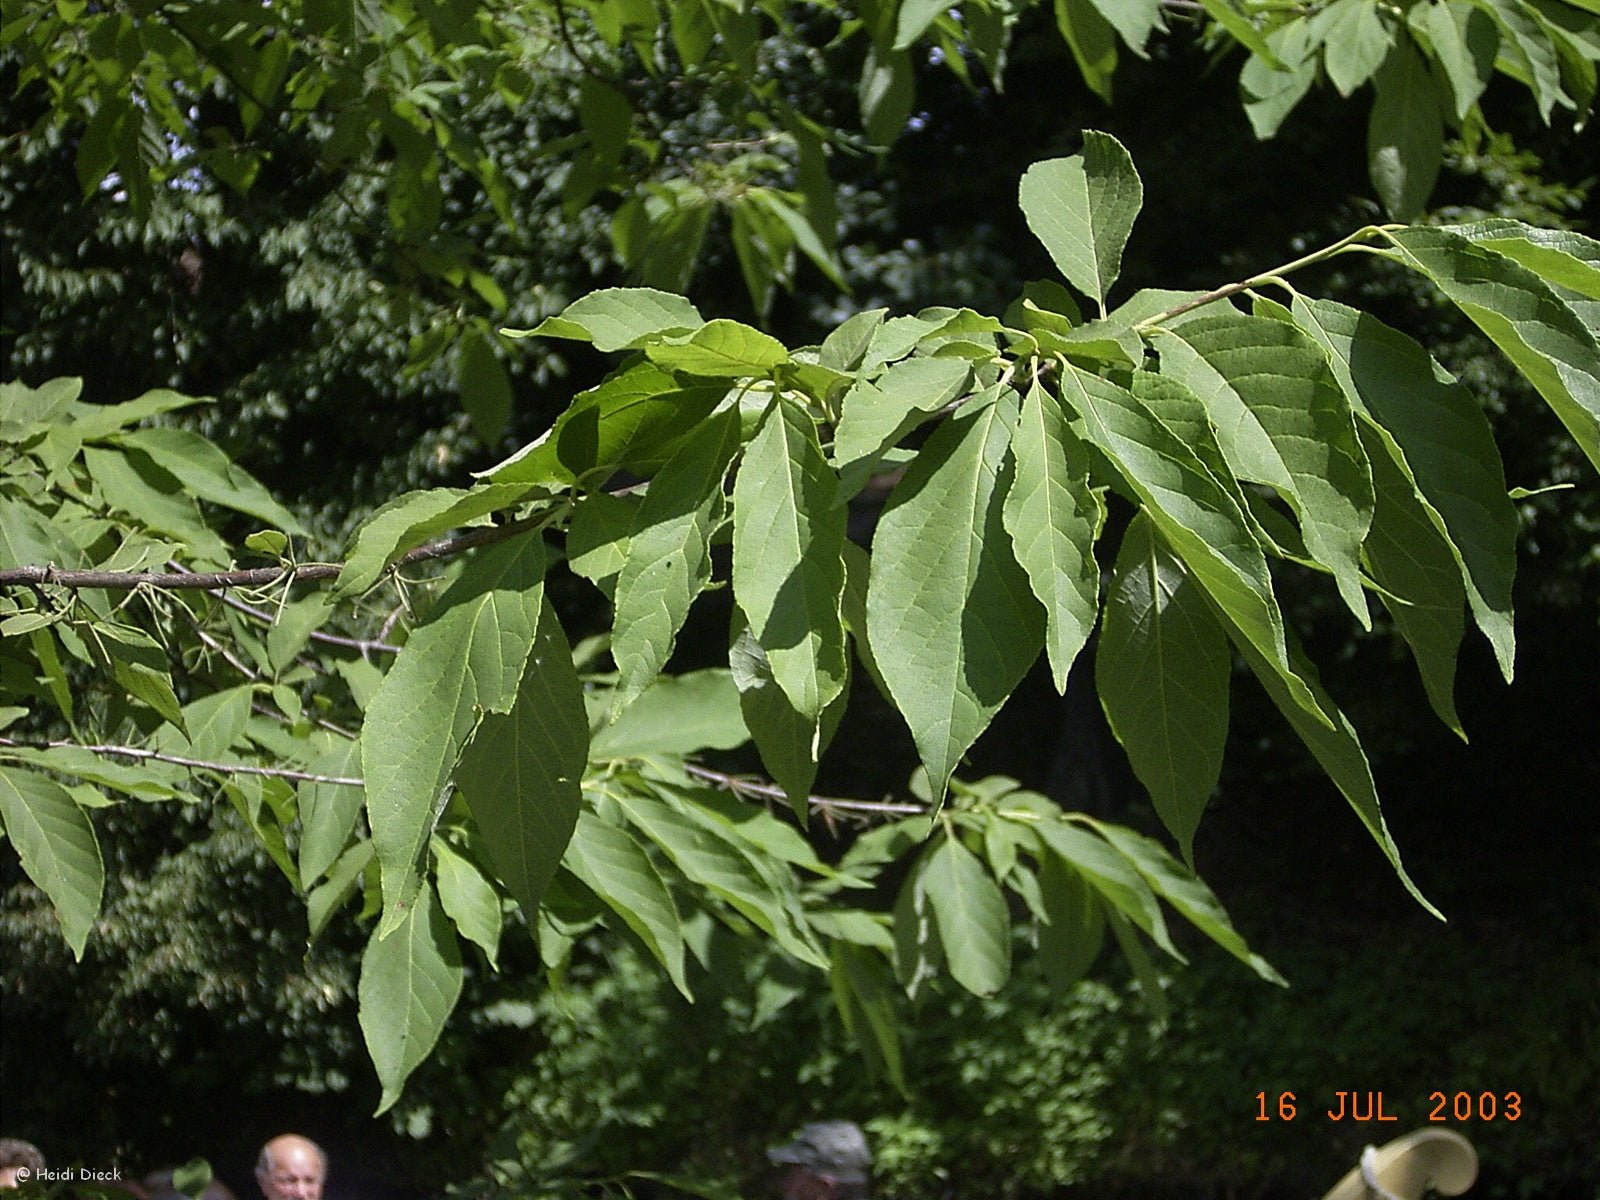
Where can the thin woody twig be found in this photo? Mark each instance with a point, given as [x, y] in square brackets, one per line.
[768, 791]
[196, 763]
[214, 581]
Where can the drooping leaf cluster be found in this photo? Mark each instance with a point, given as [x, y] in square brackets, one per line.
[491, 771]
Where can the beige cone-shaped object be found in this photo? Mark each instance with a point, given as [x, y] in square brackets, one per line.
[1438, 1158]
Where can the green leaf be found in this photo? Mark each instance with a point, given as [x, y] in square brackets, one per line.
[676, 715]
[56, 843]
[1436, 433]
[1560, 257]
[468, 899]
[327, 898]
[1074, 924]
[844, 348]
[1282, 419]
[1108, 872]
[134, 485]
[1405, 136]
[141, 669]
[1412, 561]
[1143, 969]
[484, 385]
[206, 472]
[1271, 89]
[1132, 19]
[950, 620]
[629, 419]
[728, 869]
[668, 555]
[1528, 53]
[1186, 892]
[464, 662]
[1093, 43]
[411, 519]
[328, 811]
[790, 743]
[1243, 30]
[598, 536]
[1356, 41]
[1162, 673]
[875, 415]
[213, 723]
[1534, 328]
[522, 772]
[886, 92]
[146, 781]
[619, 319]
[268, 542]
[1083, 208]
[970, 913]
[1196, 515]
[720, 349]
[613, 866]
[864, 997]
[410, 982]
[914, 18]
[788, 576]
[1333, 742]
[1464, 40]
[1053, 519]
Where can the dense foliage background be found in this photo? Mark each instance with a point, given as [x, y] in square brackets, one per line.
[200, 1022]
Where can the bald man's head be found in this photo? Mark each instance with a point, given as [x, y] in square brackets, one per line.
[291, 1167]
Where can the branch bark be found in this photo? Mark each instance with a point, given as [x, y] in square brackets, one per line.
[216, 581]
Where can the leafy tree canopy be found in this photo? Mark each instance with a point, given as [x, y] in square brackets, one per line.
[416, 737]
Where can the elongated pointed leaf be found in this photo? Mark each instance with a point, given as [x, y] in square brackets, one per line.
[328, 811]
[864, 995]
[521, 774]
[1336, 747]
[612, 865]
[1162, 673]
[468, 899]
[1412, 561]
[631, 419]
[721, 348]
[950, 620]
[723, 864]
[676, 715]
[1093, 43]
[1282, 419]
[788, 576]
[1568, 261]
[464, 662]
[484, 386]
[1405, 135]
[1464, 41]
[874, 415]
[209, 474]
[1134, 20]
[1437, 435]
[1108, 872]
[1534, 328]
[1074, 927]
[1196, 514]
[56, 843]
[790, 743]
[971, 916]
[619, 318]
[1083, 208]
[1053, 519]
[1186, 892]
[410, 982]
[668, 555]
[408, 521]
[1355, 43]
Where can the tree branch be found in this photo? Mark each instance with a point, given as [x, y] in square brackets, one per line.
[767, 791]
[216, 581]
[196, 763]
